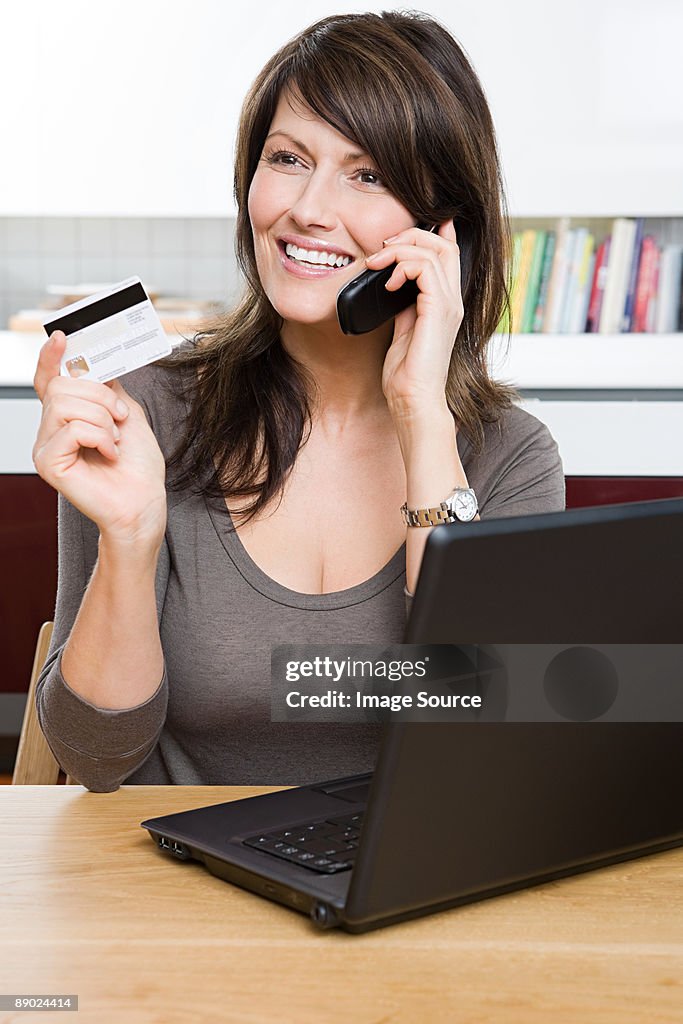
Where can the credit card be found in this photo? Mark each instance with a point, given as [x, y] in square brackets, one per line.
[110, 333]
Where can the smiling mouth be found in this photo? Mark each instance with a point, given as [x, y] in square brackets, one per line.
[346, 261]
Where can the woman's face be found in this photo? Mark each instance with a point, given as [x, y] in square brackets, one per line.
[314, 191]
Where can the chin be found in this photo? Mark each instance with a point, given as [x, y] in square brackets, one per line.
[305, 313]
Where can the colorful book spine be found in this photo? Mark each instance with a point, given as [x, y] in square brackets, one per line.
[526, 254]
[644, 284]
[557, 278]
[618, 269]
[583, 310]
[534, 281]
[576, 323]
[598, 286]
[627, 318]
[669, 288]
[651, 316]
[574, 260]
[546, 271]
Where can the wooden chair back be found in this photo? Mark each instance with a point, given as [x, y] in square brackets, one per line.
[35, 763]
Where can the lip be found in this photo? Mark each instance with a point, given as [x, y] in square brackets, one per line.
[298, 270]
[313, 243]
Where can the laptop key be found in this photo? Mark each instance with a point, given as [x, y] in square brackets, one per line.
[305, 858]
[284, 834]
[343, 838]
[257, 841]
[320, 846]
[352, 820]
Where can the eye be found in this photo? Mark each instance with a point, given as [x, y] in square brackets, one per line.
[283, 157]
[370, 172]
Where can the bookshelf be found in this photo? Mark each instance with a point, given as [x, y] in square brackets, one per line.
[613, 401]
[600, 276]
[634, 362]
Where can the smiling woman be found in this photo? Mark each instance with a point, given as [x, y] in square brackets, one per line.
[305, 467]
[318, 186]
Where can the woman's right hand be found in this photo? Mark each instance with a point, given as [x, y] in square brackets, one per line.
[117, 481]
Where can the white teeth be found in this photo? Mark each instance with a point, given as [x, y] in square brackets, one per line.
[318, 258]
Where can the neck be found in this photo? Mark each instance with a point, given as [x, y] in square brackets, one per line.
[346, 368]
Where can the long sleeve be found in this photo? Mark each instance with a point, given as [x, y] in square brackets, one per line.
[98, 747]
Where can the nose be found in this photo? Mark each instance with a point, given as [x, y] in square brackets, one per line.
[315, 204]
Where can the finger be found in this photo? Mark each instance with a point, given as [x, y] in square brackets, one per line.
[443, 242]
[60, 452]
[61, 408]
[431, 284]
[91, 390]
[400, 251]
[421, 236]
[444, 252]
[49, 360]
[123, 399]
[447, 231]
[407, 268]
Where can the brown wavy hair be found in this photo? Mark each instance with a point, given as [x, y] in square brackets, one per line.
[399, 86]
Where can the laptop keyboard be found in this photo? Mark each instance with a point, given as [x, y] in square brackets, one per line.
[326, 846]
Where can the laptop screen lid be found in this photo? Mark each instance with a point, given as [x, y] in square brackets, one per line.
[609, 574]
[488, 806]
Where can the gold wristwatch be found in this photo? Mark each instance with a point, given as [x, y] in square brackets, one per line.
[460, 506]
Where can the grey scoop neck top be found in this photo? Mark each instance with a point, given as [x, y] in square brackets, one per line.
[219, 615]
[270, 588]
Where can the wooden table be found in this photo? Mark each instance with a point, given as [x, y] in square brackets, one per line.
[89, 906]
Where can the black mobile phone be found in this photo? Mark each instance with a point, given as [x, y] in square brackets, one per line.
[364, 303]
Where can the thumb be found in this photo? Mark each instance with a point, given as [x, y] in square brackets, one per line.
[121, 393]
[49, 361]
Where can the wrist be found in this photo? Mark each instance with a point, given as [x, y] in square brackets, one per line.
[140, 549]
[420, 432]
[412, 416]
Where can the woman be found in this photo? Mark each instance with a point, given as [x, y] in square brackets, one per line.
[294, 446]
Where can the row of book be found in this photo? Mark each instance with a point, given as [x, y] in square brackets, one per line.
[564, 284]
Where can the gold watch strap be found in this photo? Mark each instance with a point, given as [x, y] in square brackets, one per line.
[427, 516]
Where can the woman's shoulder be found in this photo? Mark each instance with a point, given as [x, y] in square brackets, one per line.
[516, 430]
[519, 469]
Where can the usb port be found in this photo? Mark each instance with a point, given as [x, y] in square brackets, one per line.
[164, 843]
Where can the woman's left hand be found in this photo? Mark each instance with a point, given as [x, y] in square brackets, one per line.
[417, 361]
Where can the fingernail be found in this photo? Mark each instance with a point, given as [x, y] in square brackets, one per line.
[121, 407]
[373, 257]
[387, 240]
[117, 433]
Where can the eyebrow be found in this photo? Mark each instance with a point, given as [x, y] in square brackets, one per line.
[304, 149]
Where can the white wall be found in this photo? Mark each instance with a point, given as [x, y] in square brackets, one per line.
[130, 108]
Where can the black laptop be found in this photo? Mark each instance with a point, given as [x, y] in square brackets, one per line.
[460, 811]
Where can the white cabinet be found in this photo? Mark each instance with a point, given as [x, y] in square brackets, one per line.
[130, 109]
[600, 437]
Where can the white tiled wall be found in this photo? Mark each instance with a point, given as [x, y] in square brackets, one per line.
[183, 257]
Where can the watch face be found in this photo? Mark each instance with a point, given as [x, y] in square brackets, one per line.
[465, 506]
